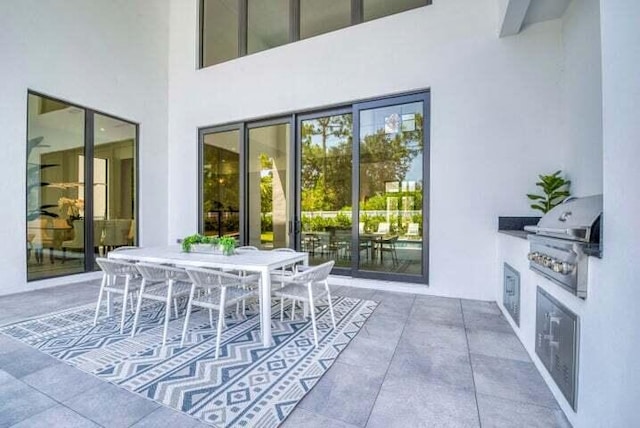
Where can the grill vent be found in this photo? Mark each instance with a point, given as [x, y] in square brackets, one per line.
[511, 292]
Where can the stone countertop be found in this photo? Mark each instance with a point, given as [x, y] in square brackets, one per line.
[522, 234]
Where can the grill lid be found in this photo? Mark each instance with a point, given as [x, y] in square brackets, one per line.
[573, 219]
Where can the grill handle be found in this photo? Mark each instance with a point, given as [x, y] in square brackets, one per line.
[575, 232]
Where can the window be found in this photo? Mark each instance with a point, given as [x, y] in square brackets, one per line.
[348, 184]
[81, 187]
[233, 28]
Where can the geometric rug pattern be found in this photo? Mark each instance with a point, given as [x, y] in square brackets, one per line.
[247, 386]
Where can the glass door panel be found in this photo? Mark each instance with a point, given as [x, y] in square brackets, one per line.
[268, 182]
[221, 183]
[325, 188]
[391, 189]
[114, 184]
[55, 196]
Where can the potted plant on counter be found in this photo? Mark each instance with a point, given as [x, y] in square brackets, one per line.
[555, 189]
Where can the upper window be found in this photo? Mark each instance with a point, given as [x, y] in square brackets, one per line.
[234, 28]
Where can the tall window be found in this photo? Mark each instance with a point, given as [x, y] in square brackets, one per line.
[233, 28]
[81, 187]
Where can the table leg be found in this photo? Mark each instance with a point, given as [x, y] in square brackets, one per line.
[265, 307]
[305, 305]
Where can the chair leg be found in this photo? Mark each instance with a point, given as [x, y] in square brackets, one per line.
[281, 309]
[102, 285]
[220, 319]
[131, 299]
[109, 304]
[313, 315]
[333, 318]
[138, 306]
[167, 312]
[293, 309]
[211, 317]
[187, 315]
[175, 307]
[125, 296]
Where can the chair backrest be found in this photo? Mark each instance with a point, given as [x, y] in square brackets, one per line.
[78, 235]
[156, 272]
[383, 227]
[210, 278]
[125, 247]
[361, 227]
[247, 248]
[284, 250]
[413, 229]
[117, 267]
[315, 274]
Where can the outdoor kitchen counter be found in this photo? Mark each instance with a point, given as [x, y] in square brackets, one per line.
[522, 234]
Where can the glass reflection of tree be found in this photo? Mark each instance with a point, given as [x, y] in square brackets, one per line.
[221, 185]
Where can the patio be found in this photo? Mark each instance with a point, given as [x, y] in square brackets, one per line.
[419, 360]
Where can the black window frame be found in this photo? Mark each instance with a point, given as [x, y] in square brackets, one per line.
[357, 17]
[89, 148]
[294, 119]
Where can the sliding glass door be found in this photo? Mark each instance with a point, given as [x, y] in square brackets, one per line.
[391, 176]
[268, 183]
[348, 184]
[81, 186]
[325, 142]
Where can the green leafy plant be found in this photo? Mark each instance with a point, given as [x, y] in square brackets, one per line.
[228, 244]
[189, 241]
[555, 189]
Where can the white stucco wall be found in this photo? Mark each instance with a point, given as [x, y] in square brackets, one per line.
[110, 56]
[582, 83]
[495, 103]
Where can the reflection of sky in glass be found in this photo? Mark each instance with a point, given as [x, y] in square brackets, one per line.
[373, 121]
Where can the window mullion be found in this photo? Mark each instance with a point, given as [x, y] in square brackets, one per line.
[243, 7]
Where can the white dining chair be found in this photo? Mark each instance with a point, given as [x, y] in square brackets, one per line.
[164, 284]
[247, 248]
[307, 286]
[114, 270]
[222, 290]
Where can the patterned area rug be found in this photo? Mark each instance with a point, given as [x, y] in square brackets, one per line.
[248, 386]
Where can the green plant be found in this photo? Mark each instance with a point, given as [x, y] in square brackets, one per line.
[189, 241]
[555, 189]
[228, 244]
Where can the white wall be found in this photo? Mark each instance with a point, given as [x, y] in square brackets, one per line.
[614, 355]
[496, 113]
[110, 56]
[582, 83]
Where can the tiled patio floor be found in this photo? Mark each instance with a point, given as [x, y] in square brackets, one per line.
[418, 362]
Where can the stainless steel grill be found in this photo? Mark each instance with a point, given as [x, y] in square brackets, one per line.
[563, 240]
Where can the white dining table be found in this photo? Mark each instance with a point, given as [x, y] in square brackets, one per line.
[262, 262]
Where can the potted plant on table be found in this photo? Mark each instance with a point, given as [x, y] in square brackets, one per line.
[198, 242]
[228, 245]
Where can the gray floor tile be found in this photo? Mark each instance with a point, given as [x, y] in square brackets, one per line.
[432, 336]
[111, 406]
[511, 379]
[480, 306]
[345, 393]
[61, 381]
[410, 403]
[440, 366]
[425, 314]
[58, 416]
[19, 401]
[304, 418]
[169, 418]
[501, 413]
[23, 361]
[358, 293]
[371, 353]
[385, 329]
[486, 321]
[394, 304]
[495, 344]
[8, 344]
[438, 302]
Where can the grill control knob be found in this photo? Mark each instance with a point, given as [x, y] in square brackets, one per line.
[562, 267]
[533, 256]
